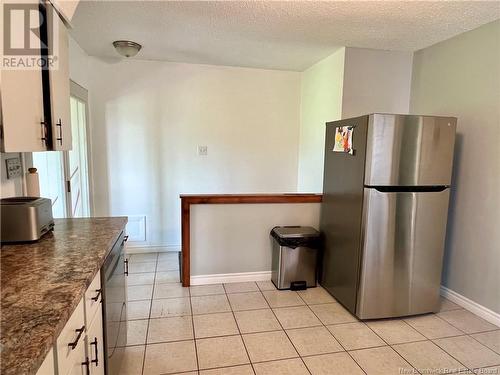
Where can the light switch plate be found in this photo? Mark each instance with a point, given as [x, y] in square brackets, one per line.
[13, 167]
[202, 150]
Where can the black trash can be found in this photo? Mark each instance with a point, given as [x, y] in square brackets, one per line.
[295, 257]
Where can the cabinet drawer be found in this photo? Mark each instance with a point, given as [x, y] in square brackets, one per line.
[73, 333]
[93, 297]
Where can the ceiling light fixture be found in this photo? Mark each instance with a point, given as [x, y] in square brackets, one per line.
[127, 48]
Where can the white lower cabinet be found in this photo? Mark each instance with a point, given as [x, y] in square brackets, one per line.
[95, 346]
[79, 347]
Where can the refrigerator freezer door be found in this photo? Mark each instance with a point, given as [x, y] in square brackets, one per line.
[341, 212]
[406, 150]
[402, 253]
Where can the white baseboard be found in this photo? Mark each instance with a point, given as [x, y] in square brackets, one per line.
[140, 249]
[230, 278]
[474, 307]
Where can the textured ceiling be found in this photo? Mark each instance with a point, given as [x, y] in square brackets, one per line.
[271, 34]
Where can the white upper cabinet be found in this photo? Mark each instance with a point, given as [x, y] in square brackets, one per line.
[35, 102]
[59, 87]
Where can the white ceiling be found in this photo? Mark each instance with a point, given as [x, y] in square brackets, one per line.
[271, 34]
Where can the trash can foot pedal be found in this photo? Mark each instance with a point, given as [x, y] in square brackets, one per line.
[298, 285]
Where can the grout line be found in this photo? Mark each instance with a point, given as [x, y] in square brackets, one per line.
[238, 326]
[324, 325]
[291, 342]
[149, 316]
[194, 333]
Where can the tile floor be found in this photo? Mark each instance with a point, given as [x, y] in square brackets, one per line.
[251, 328]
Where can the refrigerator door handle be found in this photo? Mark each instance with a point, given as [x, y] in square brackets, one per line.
[409, 189]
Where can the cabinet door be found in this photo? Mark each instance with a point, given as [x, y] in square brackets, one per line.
[71, 340]
[78, 364]
[59, 86]
[95, 345]
[21, 103]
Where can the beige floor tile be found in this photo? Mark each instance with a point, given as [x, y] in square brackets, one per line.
[132, 359]
[139, 292]
[136, 332]
[296, 317]
[395, 331]
[170, 358]
[490, 339]
[314, 296]
[170, 291]
[266, 285]
[447, 305]
[494, 370]
[167, 277]
[333, 364]
[283, 298]
[168, 255]
[381, 361]
[284, 367]
[433, 327]
[211, 325]
[333, 313]
[252, 321]
[140, 278]
[170, 329]
[138, 309]
[207, 290]
[210, 304]
[221, 351]
[469, 352]
[241, 287]
[247, 301]
[167, 265]
[141, 267]
[354, 336]
[428, 358]
[164, 308]
[314, 340]
[235, 370]
[141, 258]
[467, 321]
[269, 346]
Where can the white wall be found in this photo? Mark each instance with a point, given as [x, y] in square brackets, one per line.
[461, 77]
[148, 118]
[321, 101]
[376, 81]
[235, 238]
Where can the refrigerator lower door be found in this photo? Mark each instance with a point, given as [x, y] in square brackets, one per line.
[403, 237]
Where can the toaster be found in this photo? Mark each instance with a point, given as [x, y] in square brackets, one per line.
[25, 219]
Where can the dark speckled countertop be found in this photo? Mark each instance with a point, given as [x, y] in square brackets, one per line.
[42, 283]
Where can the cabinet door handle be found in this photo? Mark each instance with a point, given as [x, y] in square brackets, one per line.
[60, 139]
[44, 132]
[96, 360]
[73, 344]
[126, 266]
[96, 297]
[86, 364]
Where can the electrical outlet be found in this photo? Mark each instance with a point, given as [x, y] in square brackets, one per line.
[13, 167]
[202, 150]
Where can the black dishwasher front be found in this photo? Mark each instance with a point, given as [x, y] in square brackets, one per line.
[114, 284]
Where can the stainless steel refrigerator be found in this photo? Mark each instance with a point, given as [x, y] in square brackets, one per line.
[384, 212]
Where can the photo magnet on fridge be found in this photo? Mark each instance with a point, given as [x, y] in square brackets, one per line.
[343, 139]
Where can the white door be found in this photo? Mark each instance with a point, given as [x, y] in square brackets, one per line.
[76, 162]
